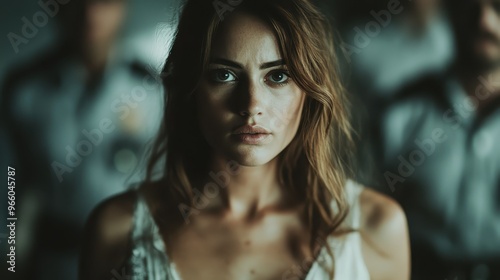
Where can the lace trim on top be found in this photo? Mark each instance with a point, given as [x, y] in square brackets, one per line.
[148, 260]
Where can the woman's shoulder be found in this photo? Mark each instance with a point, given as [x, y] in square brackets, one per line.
[113, 218]
[379, 211]
[106, 238]
[385, 237]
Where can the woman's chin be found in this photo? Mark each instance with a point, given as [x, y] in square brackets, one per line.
[252, 158]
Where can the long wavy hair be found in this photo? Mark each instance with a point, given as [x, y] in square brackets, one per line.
[316, 164]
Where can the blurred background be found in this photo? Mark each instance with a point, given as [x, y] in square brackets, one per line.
[80, 102]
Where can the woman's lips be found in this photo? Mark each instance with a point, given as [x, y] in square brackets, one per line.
[252, 139]
[253, 135]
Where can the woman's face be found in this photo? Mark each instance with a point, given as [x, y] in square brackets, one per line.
[249, 107]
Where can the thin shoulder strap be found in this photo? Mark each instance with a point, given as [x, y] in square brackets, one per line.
[140, 216]
[149, 259]
[144, 224]
[353, 191]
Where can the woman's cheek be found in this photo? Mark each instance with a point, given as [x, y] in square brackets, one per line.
[213, 113]
[286, 113]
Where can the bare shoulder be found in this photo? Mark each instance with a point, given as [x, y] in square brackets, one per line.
[381, 214]
[106, 238]
[385, 236]
[113, 217]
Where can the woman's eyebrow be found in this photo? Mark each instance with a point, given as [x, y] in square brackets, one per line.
[226, 62]
[278, 62]
[234, 64]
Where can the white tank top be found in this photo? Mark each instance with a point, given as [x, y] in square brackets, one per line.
[148, 258]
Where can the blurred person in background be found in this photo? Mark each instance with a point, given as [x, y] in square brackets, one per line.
[440, 154]
[77, 119]
[390, 42]
[387, 44]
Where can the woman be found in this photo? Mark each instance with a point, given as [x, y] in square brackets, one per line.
[253, 162]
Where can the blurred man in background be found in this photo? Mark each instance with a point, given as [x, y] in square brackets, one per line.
[440, 154]
[78, 119]
[387, 44]
[396, 42]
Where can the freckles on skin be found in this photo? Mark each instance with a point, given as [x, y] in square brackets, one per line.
[286, 115]
[247, 40]
[282, 117]
[250, 43]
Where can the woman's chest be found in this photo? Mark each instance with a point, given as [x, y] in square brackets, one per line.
[268, 249]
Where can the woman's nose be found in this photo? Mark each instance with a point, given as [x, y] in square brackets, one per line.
[252, 99]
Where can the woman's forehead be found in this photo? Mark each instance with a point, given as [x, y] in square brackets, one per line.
[243, 36]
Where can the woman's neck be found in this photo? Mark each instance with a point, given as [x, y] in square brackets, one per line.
[247, 190]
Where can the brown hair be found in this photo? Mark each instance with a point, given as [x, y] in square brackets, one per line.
[316, 163]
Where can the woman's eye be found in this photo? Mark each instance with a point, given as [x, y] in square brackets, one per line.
[278, 77]
[222, 76]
